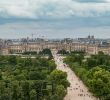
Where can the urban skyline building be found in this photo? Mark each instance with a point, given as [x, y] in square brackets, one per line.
[90, 45]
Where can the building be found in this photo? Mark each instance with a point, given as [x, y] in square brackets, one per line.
[90, 45]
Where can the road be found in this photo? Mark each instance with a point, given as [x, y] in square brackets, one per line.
[77, 90]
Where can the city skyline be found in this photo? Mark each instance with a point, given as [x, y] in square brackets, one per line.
[54, 18]
[54, 49]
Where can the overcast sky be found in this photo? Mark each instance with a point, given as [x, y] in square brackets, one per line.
[54, 18]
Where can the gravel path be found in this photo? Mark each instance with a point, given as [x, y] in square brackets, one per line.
[77, 90]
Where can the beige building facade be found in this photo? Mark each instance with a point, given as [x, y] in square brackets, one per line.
[36, 47]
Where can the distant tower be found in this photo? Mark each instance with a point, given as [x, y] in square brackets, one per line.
[89, 37]
[27, 38]
[32, 35]
[92, 36]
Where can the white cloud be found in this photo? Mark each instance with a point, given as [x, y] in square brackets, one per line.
[20, 30]
[107, 0]
[51, 8]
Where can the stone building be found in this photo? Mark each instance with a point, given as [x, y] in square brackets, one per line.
[36, 45]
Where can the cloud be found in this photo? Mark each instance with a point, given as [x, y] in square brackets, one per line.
[20, 30]
[95, 1]
[60, 17]
[36, 9]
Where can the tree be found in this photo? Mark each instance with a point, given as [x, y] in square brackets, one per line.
[28, 62]
[34, 75]
[51, 65]
[33, 94]
[91, 62]
[100, 53]
[46, 52]
[12, 60]
[99, 82]
[0, 74]
[63, 52]
[29, 79]
[58, 76]
[96, 76]
[60, 90]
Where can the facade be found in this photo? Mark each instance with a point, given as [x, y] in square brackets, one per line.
[35, 45]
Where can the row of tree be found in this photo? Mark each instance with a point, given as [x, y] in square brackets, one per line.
[31, 79]
[94, 71]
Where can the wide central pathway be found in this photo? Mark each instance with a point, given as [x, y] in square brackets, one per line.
[77, 90]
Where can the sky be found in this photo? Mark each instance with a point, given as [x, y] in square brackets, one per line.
[54, 18]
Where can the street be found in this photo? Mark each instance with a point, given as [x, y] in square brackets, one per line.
[77, 90]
